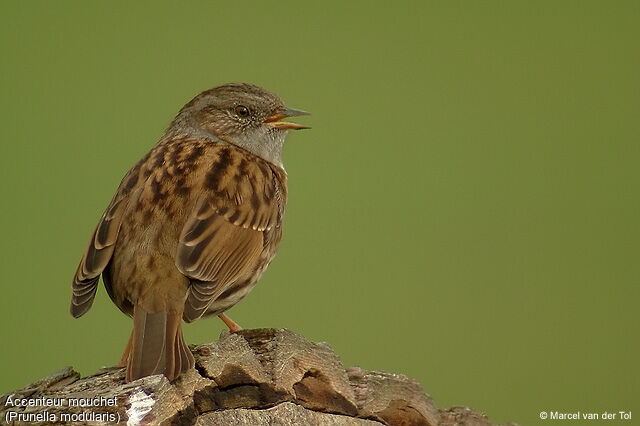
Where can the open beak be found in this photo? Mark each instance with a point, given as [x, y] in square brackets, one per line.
[274, 120]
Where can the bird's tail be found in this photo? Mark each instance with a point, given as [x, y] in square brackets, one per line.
[156, 346]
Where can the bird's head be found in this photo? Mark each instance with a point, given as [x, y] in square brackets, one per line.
[241, 114]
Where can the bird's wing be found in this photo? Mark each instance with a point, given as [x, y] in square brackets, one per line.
[101, 245]
[223, 237]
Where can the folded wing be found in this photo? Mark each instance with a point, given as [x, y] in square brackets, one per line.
[223, 237]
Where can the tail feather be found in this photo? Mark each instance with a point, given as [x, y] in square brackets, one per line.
[172, 354]
[185, 352]
[157, 346]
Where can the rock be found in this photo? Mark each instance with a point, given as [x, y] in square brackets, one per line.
[253, 377]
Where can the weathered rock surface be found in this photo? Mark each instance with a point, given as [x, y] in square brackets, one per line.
[253, 377]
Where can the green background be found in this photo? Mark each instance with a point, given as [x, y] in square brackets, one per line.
[464, 210]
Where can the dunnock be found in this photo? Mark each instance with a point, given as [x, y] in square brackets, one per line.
[193, 224]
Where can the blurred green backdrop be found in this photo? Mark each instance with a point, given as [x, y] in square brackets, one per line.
[464, 210]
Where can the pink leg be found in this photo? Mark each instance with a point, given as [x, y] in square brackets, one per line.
[233, 327]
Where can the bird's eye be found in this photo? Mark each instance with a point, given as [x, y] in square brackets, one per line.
[242, 111]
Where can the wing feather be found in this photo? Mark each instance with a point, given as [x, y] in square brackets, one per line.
[223, 237]
[98, 253]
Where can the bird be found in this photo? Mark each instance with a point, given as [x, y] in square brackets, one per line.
[193, 225]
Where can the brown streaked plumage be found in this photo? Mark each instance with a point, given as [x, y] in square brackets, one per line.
[193, 225]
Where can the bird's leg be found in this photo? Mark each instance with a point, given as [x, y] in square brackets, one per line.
[233, 327]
